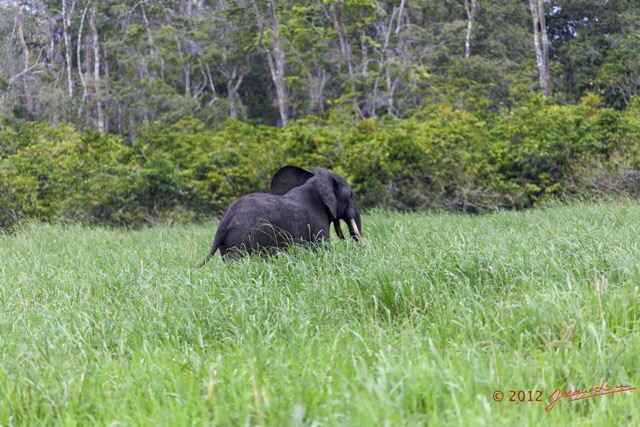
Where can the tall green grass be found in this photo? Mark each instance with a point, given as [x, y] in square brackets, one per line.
[419, 325]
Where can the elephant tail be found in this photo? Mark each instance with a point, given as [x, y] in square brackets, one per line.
[218, 240]
[213, 250]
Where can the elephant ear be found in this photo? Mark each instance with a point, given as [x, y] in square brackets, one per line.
[287, 178]
[325, 185]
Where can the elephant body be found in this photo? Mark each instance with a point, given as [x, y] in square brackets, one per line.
[302, 211]
[266, 220]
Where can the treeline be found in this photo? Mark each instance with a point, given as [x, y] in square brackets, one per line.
[114, 66]
[439, 158]
[127, 113]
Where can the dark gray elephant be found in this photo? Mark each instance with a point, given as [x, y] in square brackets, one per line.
[299, 209]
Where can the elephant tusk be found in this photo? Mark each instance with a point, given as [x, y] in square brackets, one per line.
[354, 227]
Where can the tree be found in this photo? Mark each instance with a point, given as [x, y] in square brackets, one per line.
[26, 55]
[270, 41]
[68, 8]
[541, 44]
[114, 66]
[471, 9]
[594, 47]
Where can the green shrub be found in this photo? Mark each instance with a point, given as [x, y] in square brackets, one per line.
[438, 158]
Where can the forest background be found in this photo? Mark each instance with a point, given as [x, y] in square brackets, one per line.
[126, 113]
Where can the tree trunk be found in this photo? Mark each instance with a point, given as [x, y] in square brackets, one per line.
[317, 83]
[95, 47]
[345, 49]
[83, 80]
[541, 43]
[342, 38]
[26, 58]
[233, 86]
[390, 56]
[67, 13]
[545, 50]
[276, 61]
[471, 8]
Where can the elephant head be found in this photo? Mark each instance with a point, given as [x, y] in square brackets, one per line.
[300, 208]
[342, 205]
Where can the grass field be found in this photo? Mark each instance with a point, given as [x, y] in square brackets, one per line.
[420, 325]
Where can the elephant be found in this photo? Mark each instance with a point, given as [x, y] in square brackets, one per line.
[299, 209]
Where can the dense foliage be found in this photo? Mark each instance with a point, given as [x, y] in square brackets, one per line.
[133, 112]
[115, 65]
[438, 158]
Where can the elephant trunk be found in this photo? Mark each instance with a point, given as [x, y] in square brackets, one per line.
[336, 226]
